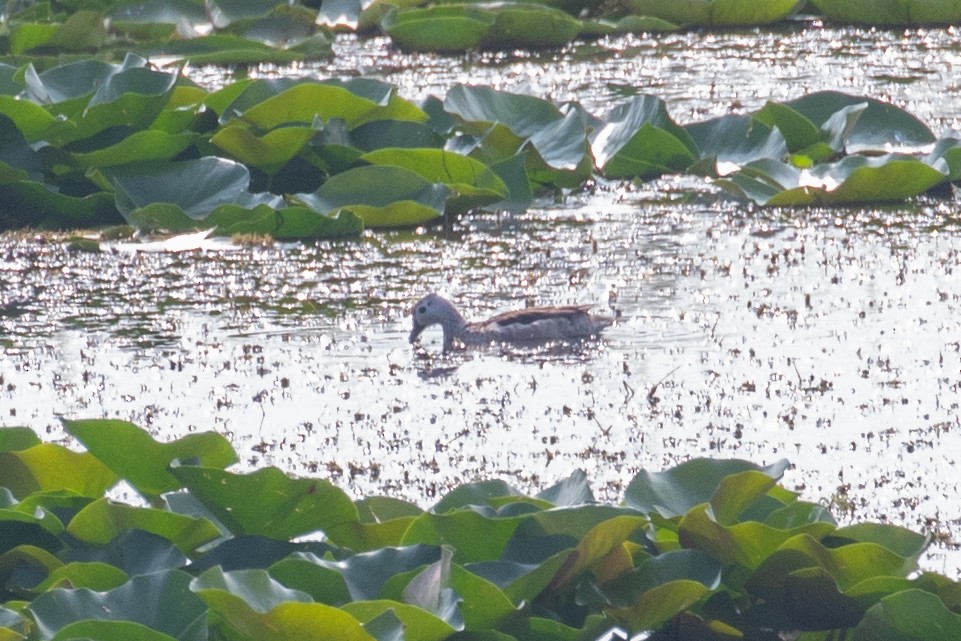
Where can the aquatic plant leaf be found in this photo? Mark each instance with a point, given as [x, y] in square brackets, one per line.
[899, 540]
[140, 146]
[78, 574]
[675, 491]
[890, 12]
[288, 620]
[101, 522]
[106, 630]
[382, 196]
[229, 48]
[162, 12]
[456, 529]
[81, 31]
[131, 97]
[855, 179]
[417, 622]
[252, 604]
[948, 151]
[881, 128]
[135, 552]
[255, 587]
[640, 140]
[269, 151]
[528, 25]
[383, 522]
[309, 574]
[798, 130]
[911, 615]
[747, 543]
[729, 142]
[485, 606]
[224, 12]
[268, 502]
[285, 26]
[847, 565]
[479, 107]
[359, 577]
[196, 186]
[161, 601]
[715, 12]
[430, 590]
[463, 174]
[561, 153]
[24, 566]
[16, 152]
[131, 453]
[385, 134]
[53, 467]
[600, 541]
[662, 587]
[572, 491]
[307, 101]
[13, 439]
[281, 222]
[737, 492]
[33, 121]
[439, 28]
[39, 528]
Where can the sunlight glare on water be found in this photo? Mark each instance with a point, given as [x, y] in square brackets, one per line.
[830, 338]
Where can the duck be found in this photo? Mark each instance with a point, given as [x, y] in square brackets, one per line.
[522, 325]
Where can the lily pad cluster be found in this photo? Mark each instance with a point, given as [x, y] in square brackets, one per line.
[710, 549]
[92, 143]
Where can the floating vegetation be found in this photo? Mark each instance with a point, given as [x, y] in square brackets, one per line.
[92, 143]
[715, 549]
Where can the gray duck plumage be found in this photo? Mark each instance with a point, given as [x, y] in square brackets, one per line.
[531, 324]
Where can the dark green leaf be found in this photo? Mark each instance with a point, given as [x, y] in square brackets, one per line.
[161, 601]
[268, 502]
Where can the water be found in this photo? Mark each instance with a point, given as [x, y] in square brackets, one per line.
[828, 337]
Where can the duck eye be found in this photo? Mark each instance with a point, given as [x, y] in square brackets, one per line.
[422, 309]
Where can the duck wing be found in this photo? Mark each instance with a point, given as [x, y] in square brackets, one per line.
[539, 323]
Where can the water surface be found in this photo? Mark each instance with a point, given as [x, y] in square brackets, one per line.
[828, 337]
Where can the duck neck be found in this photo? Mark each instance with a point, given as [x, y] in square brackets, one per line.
[453, 326]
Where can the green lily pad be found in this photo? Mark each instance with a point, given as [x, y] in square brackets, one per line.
[268, 502]
[674, 492]
[528, 25]
[101, 522]
[382, 196]
[134, 455]
[891, 12]
[715, 12]
[911, 615]
[53, 467]
[440, 28]
[474, 184]
[640, 140]
[855, 179]
[729, 142]
[161, 602]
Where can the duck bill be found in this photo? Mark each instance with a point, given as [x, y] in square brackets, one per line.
[416, 332]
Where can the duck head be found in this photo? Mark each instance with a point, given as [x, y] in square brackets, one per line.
[434, 310]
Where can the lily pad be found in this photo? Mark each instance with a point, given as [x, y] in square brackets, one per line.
[640, 140]
[715, 12]
[441, 28]
[382, 196]
[855, 179]
[134, 455]
[891, 12]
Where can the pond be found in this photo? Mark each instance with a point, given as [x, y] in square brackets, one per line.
[827, 337]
